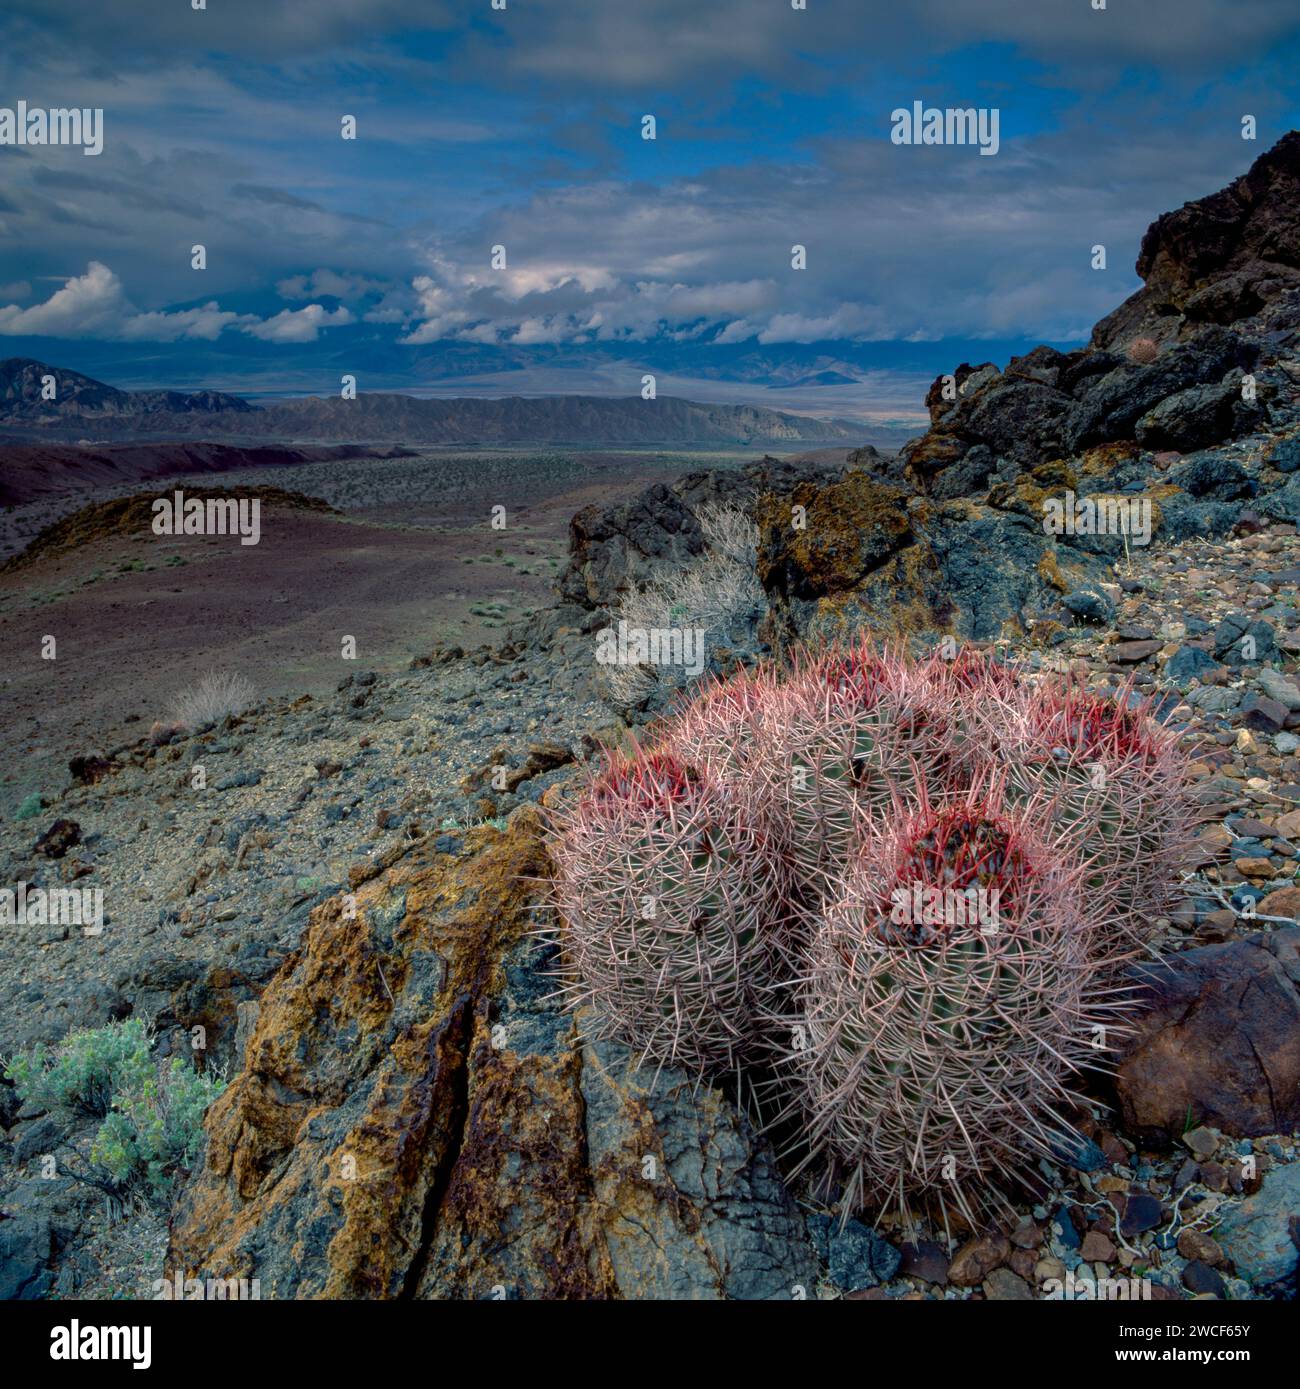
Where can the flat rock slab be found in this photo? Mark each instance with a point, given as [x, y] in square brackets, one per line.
[1259, 1234]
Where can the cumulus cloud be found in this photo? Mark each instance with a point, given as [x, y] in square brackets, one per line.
[95, 305]
[299, 325]
[90, 305]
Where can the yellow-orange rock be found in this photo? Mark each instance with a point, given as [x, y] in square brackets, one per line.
[418, 1117]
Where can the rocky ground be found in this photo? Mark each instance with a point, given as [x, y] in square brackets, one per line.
[349, 907]
[210, 892]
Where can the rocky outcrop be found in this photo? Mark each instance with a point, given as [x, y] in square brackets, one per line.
[1165, 370]
[615, 548]
[417, 1117]
[860, 555]
[1219, 259]
[1199, 429]
[1217, 1041]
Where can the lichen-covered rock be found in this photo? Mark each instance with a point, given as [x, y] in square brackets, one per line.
[871, 560]
[824, 540]
[616, 548]
[417, 1117]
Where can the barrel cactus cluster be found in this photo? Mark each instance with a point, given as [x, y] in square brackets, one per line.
[899, 892]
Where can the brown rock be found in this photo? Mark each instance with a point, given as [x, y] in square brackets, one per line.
[1130, 652]
[924, 1260]
[1004, 1286]
[973, 1262]
[853, 526]
[1215, 839]
[1254, 867]
[1022, 1262]
[92, 769]
[1048, 1267]
[1196, 1244]
[1263, 714]
[61, 836]
[1218, 1038]
[1202, 1143]
[1250, 828]
[1115, 1152]
[1214, 1175]
[1027, 1235]
[1097, 1248]
[1284, 902]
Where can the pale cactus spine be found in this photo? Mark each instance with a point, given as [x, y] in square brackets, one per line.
[777, 823]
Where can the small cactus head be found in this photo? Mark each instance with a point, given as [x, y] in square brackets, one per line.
[1143, 351]
[1117, 783]
[1072, 721]
[726, 730]
[642, 782]
[974, 671]
[671, 894]
[855, 675]
[954, 988]
[961, 855]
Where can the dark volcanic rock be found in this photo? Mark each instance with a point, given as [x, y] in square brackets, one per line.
[1218, 1041]
[26, 1246]
[615, 548]
[1211, 475]
[1197, 417]
[1218, 259]
[1113, 406]
[1189, 663]
[1223, 290]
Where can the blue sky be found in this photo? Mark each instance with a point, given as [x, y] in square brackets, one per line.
[522, 127]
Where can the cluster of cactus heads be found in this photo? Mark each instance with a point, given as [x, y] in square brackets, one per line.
[901, 890]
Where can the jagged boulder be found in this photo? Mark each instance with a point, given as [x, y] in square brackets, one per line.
[417, 1117]
[1217, 1041]
[1219, 259]
[615, 548]
[819, 540]
[860, 555]
[1222, 300]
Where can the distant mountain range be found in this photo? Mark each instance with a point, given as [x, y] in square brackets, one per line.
[83, 407]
